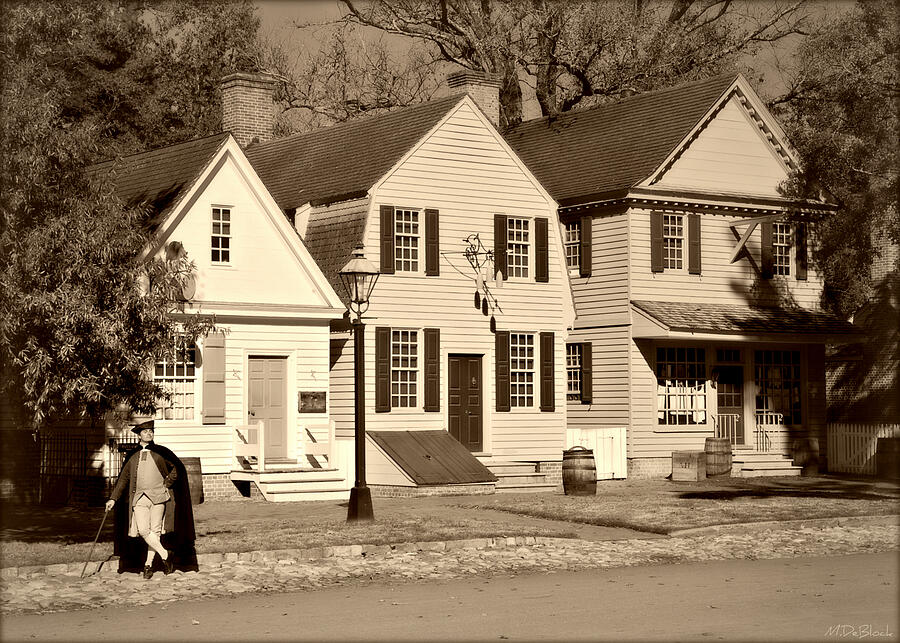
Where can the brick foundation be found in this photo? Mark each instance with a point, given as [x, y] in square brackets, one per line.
[553, 470]
[644, 468]
[220, 486]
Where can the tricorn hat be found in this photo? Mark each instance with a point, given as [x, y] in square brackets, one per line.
[137, 428]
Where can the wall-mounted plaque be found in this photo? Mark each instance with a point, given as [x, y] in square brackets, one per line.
[311, 402]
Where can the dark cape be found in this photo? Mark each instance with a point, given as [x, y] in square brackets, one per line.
[179, 540]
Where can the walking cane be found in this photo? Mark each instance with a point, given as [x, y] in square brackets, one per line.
[97, 537]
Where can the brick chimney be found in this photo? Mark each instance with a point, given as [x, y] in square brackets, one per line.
[248, 109]
[481, 87]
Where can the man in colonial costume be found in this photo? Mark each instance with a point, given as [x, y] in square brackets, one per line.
[157, 520]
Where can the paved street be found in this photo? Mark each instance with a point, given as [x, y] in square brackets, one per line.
[784, 599]
[290, 570]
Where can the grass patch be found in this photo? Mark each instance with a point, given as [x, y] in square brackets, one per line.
[660, 506]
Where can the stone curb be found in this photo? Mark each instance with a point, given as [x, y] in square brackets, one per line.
[215, 560]
[815, 523]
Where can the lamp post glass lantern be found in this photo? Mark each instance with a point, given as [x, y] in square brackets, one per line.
[358, 278]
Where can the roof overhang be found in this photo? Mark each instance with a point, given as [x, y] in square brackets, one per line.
[756, 325]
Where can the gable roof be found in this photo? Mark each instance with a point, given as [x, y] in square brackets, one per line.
[343, 161]
[582, 155]
[160, 178]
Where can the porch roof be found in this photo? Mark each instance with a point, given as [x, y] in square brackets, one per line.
[670, 319]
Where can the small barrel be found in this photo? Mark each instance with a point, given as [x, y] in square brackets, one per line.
[578, 472]
[718, 457]
[195, 478]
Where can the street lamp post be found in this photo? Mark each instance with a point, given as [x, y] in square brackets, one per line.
[358, 278]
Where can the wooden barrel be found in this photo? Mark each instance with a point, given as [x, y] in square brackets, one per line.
[195, 479]
[718, 457]
[578, 472]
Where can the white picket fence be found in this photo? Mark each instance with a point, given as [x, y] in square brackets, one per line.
[851, 447]
[608, 444]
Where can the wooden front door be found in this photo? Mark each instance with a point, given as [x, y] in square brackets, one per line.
[730, 398]
[268, 401]
[465, 404]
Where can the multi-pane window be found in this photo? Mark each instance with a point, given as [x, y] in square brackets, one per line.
[221, 235]
[404, 368]
[673, 241]
[406, 240]
[572, 240]
[573, 371]
[778, 383]
[728, 355]
[781, 248]
[517, 244]
[177, 374]
[521, 369]
[681, 386]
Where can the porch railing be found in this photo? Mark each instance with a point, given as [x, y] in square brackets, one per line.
[766, 419]
[726, 426]
[249, 446]
[318, 439]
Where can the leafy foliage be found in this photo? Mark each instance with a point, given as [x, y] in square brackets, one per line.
[841, 113]
[82, 81]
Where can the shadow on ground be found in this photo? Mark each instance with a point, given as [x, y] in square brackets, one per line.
[814, 487]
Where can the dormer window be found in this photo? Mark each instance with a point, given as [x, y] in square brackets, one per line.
[221, 235]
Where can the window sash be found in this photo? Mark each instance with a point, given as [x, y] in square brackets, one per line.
[673, 241]
[573, 371]
[404, 368]
[518, 242]
[406, 240]
[681, 386]
[778, 377]
[220, 242]
[781, 248]
[521, 370]
[572, 242]
[178, 375]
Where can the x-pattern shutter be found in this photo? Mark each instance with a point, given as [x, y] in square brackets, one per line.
[387, 239]
[501, 368]
[382, 369]
[214, 379]
[432, 369]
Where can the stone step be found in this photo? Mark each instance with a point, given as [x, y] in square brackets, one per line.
[526, 488]
[305, 486]
[506, 479]
[760, 457]
[518, 468]
[762, 472]
[307, 496]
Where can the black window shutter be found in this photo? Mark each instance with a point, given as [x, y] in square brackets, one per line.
[432, 369]
[694, 262]
[802, 251]
[586, 247]
[501, 368]
[541, 251]
[587, 372]
[548, 391]
[387, 239]
[767, 258]
[382, 369]
[214, 379]
[432, 244]
[656, 241]
[500, 245]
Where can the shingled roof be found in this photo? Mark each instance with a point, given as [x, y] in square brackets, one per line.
[160, 178]
[342, 161]
[583, 155]
[735, 319]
